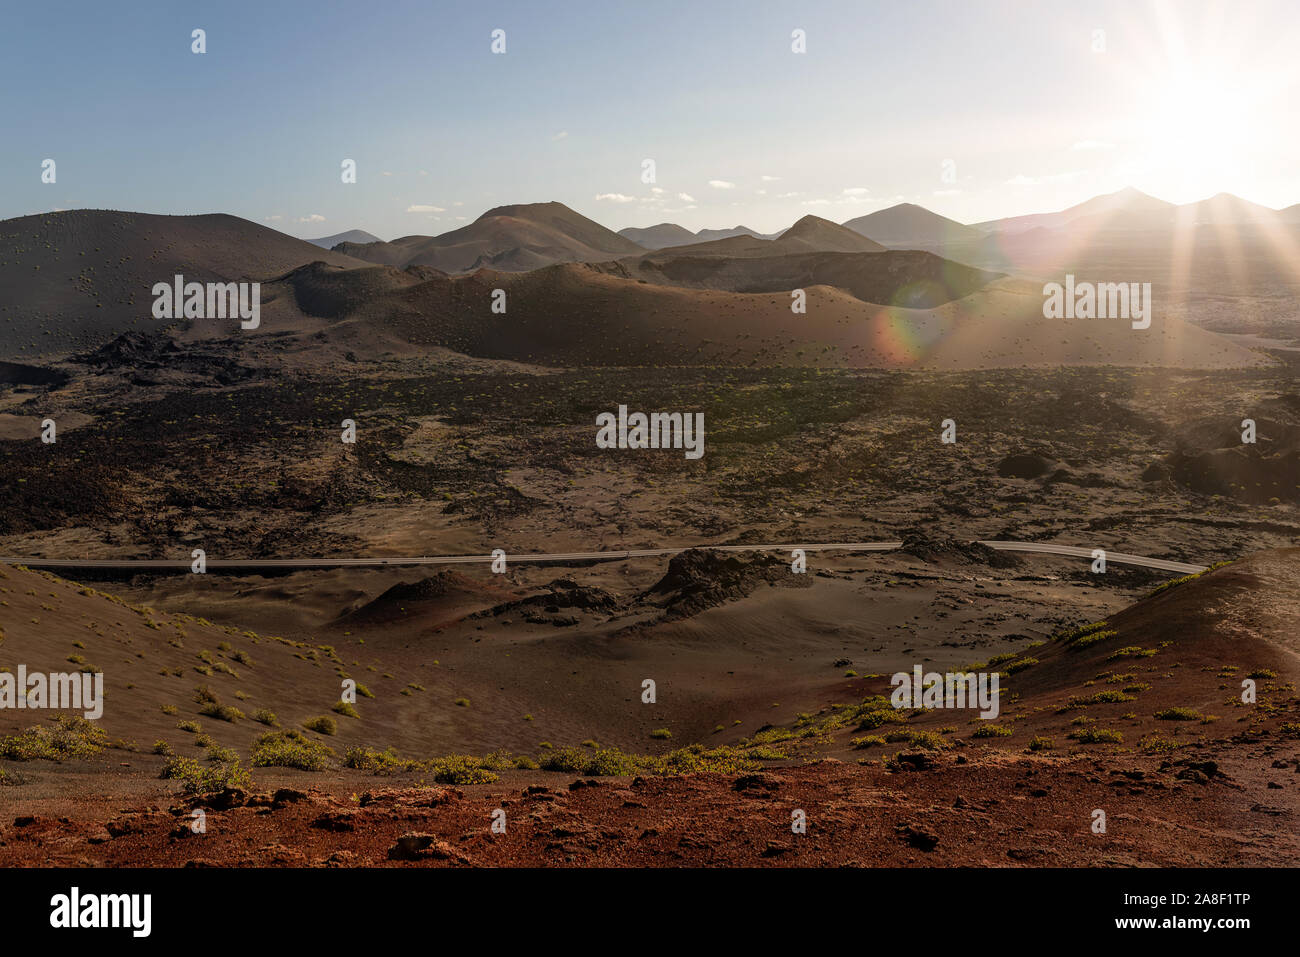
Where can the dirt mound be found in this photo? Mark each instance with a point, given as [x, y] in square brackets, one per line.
[437, 592]
[1025, 465]
[331, 292]
[563, 594]
[1209, 457]
[1245, 473]
[944, 550]
[699, 579]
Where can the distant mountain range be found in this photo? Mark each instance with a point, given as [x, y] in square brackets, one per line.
[71, 280]
[528, 236]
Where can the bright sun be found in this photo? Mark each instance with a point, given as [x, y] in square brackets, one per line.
[1196, 127]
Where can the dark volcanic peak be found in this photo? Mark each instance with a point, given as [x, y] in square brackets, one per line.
[814, 234]
[359, 236]
[708, 235]
[513, 238]
[660, 236]
[77, 278]
[908, 225]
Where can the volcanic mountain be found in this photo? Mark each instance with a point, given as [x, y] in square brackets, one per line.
[75, 279]
[708, 235]
[810, 234]
[908, 226]
[508, 238]
[351, 236]
[657, 237]
[1128, 208]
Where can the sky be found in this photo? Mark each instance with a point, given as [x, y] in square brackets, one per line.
[975, 109]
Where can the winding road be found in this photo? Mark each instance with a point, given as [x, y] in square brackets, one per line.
[294, 564]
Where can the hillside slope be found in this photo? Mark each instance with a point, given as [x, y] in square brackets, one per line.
[75, 279]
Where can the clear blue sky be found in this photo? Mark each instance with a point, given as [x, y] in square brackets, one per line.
[1187, 99]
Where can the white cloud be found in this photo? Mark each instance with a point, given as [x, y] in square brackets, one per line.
[686, 197]
[721, 184]
[559, 136]
[816, 202]
[856, 191]
[787, 195]
[615, 197]
[273, 219]
[313, 218]
[769, 179]
[421, 208]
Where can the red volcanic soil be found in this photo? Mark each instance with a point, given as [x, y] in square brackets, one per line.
[1210, 806]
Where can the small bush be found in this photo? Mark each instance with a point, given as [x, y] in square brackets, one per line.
[378, 762]
[1179, 714]
[196, 779]
[289, 749]
[222, 712]
[71, 736]
[1097, 736]
[322, 725]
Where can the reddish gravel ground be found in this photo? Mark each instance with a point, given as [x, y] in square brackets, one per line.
[1217, 805]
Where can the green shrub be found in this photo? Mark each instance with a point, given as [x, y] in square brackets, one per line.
[289, 749]
[196, 779]
[1097, 736]
[322, 725]
[378, 762]
[1179, 714]
[222, 712]
[460, 769]
[71, 736]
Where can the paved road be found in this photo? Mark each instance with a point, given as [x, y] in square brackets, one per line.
[251, 564]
